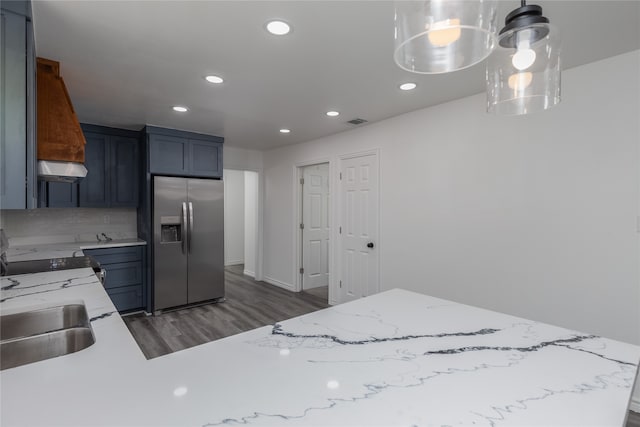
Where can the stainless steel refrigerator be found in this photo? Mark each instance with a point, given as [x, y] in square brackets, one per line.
[188, 241]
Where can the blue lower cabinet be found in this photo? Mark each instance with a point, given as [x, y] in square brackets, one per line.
[124, 280]
[127, 298]
[123, 274]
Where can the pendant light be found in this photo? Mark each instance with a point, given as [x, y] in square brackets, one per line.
[523, 73]
[440, 36]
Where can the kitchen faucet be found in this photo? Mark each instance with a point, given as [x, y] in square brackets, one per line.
[106, 238]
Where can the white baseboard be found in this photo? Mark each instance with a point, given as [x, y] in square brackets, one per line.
[249, 273]
[278, 283]
[635, 404]
[228, 263]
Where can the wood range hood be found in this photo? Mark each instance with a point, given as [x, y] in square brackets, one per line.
[60, 138]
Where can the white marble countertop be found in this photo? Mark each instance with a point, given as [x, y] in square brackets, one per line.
[396, 358]
[32, 252]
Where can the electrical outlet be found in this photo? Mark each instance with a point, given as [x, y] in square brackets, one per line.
[106, 219]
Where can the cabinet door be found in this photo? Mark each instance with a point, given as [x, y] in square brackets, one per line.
[126, 298]
[94, 188]
[123, 274]
[62, 195]
[205, 158]
[124, 171]
[168, 155]
[13, 108]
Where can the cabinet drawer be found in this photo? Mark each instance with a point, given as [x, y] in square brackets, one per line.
[123, 274]
[115, 255]
[126, 298]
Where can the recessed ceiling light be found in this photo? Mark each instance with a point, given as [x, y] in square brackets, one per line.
[407, 86]
[333, 113]
[285, 130]
[180, 109]
[214, 79]
[278, 28]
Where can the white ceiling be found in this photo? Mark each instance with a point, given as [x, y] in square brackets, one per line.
[127, 62]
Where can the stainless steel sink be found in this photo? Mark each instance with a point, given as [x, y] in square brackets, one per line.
[41, 334]
[42, 321]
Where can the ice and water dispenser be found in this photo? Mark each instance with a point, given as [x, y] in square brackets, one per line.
[170, 229]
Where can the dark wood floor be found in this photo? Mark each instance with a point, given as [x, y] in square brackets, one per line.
[249, 304]
[320, 292]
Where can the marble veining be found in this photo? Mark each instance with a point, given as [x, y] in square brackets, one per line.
[16, 289]
[395, 358]
[277, 330]
[506, 353]
[102, 316]
[37, 288]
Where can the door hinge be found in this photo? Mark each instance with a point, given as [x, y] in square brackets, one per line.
[302, 271]
[340, 283]
[301, 226]
[301, 181]
[340, 176]
[340, 230]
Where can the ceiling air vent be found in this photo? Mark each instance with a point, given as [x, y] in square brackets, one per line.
[357, 121]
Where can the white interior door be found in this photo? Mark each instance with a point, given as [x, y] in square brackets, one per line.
[316, 227]
[359, 227]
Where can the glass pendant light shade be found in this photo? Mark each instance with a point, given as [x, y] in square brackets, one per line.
[440, 36]
[523, 73]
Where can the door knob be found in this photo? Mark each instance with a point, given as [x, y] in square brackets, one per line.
[370, 245]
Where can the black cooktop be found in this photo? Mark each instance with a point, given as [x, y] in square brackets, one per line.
[53, 264]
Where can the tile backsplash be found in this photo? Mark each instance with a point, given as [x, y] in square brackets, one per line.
[35, 226]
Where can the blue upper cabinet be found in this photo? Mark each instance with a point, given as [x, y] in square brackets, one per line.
[125, 171]
[57, 195]
[112, 160]
[205, 158]
[179, 153]
[18, 184]
[168, 155]
[94, 191]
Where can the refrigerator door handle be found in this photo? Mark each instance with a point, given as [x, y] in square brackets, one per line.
[190, 226]
[184, 224]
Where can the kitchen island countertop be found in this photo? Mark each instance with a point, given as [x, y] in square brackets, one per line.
[395, 358]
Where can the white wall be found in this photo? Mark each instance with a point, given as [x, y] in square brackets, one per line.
[250, 221]
[533, 216]
[242, 158]
[233, 217]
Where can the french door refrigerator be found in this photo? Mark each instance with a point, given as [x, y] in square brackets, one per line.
[188, 241]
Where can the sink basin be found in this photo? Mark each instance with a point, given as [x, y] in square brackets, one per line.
[41, 334]
[43, 320]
